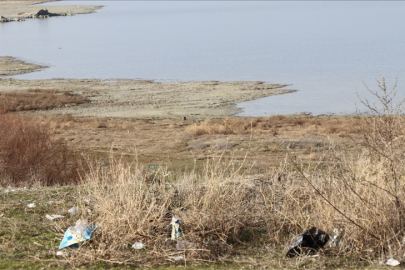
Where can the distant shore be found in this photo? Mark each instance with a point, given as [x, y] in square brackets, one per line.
[120, 98]
[15, 11]
[124, 98]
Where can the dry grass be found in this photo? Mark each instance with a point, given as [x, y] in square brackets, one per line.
[361, 190]
[355, 181]
[276, 124]
[218, 210]
[31, 156]
[37, 99]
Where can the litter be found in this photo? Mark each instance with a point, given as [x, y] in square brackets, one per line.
[60, 253]
[176, 231]
[176, 258]
[313, 239]
[335, 238]
[138, 245]
[393, 262]
[54, 217]
[54, 202]
[73, 211]
[31, 205]
[77, 234]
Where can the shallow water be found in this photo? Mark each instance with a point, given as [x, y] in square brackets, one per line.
[323, 49]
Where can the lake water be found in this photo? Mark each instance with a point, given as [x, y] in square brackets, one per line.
[323, 49]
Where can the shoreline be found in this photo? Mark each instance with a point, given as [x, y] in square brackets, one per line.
[141, 99]
[125, 98]
[17, 11]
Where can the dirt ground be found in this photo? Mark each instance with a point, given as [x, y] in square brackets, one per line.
[142, 99]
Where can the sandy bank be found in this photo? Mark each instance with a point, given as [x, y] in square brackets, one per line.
[22, 10]
[10, 66]
[140, 98]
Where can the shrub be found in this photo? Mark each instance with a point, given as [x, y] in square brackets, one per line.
[217, 210]
[30, 155]
[37, 99]
[363, 190]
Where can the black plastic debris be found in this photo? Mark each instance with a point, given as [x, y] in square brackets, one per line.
[311, 240]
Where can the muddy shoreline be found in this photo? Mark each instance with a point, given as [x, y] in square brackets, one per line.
[123, 98]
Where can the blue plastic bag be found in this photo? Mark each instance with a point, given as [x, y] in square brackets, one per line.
[77, 234]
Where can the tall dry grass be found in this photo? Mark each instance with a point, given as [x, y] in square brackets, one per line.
[218, 210]
[30, 155]
[37, 99]
[344, 126]
[364, 191]
[221, 209]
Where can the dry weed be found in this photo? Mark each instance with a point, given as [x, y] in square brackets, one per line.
[31, 156]
[37, 99]
[218, 210]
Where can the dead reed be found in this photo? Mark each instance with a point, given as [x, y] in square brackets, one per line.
[37, 99]
[29, 155]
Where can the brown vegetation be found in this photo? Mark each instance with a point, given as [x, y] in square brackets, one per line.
[262, 181]
[29, 154]
[37, 99]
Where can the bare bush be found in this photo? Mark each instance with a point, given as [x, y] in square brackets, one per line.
[29, 155]
[37, 99]
[363, 190]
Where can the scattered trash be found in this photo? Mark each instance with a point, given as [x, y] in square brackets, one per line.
[176, 258]
[31, 205]
[152, 166]
[61, 253]
[176, 231]
[138, 245]
[54, 217]
[73, 211]
[312, 239]
[184, 244]
[54, 202]
[393, 262]
[335, 238]
[77, 234]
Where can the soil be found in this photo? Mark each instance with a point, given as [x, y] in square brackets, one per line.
[123, 98]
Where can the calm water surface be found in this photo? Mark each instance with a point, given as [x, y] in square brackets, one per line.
[323, 49]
